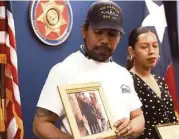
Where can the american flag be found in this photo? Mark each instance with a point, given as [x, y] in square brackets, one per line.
[14, 124]
[155, 19]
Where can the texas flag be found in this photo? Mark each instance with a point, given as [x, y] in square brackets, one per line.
[155, 18]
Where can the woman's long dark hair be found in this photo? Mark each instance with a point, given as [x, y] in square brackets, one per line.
[132, 39]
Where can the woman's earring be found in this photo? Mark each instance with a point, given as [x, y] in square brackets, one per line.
[131, 58]
[158, 58]
[128, 57]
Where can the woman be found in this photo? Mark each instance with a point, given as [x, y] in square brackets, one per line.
[152, 90]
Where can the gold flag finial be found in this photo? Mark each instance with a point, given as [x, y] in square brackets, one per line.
[3, 59]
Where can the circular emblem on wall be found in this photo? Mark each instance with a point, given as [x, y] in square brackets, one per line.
[51, 20]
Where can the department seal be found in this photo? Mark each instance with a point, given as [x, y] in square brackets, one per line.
[51, 20]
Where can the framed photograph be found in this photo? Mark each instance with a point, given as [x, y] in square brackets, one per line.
[168, 131]
[87, 112]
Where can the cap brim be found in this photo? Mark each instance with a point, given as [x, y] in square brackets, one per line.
[107, 26]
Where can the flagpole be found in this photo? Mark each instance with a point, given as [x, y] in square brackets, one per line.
[3, 61]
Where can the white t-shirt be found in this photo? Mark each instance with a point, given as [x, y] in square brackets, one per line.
[116, 81]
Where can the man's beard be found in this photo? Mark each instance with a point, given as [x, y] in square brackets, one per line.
[100, 53]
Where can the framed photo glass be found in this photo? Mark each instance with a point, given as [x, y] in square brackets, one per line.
[87, 112]
[168, 131]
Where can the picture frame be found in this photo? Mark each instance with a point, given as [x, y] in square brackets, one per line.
[168, 131]
[87, 111]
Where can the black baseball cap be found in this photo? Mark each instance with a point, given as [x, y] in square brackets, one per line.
[105, 14]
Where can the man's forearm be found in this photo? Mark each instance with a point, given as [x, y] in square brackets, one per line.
[50, 131]
[138, 124]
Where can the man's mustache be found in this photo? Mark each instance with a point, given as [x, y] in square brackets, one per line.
[103, 47]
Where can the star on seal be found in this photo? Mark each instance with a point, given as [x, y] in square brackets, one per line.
[52, 17]
[51, 20]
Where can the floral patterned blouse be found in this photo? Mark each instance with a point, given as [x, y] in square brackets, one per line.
[157, 110]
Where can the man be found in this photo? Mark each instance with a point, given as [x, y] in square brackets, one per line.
[88, 111]
[101, 33]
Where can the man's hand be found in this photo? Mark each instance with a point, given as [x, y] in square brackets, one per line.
[133, 127]
[123, 127]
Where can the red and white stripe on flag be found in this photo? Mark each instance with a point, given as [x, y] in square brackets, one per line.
[14, 125]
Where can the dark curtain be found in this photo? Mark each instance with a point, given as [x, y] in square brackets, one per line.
[171, 17]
